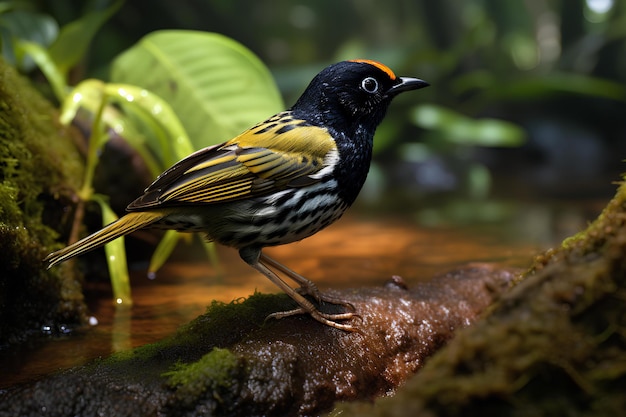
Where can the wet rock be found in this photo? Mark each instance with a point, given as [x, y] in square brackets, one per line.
[232, 362]
[554, 345]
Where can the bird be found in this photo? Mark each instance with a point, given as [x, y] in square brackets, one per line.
[278, 182]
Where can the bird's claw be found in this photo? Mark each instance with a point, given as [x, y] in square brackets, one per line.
[325, 318]
[330, 319]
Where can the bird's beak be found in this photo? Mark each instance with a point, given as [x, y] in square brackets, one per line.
[406, 84]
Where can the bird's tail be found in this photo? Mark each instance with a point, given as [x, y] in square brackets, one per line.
[125, 225]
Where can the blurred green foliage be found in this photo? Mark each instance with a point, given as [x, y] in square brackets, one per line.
[483, 58]
[514, 61]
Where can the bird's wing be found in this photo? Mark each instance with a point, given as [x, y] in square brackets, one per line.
[279, 153]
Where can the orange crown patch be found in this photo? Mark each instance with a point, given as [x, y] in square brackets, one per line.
[378, 65]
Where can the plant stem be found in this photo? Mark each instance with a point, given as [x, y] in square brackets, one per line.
[84, 194]
[95, 141]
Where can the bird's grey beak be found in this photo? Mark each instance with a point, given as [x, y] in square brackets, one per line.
[406, 84]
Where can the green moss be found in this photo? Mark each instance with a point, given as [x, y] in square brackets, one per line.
[215, 370]
[248, 315]
[39, 168]
[193, 339]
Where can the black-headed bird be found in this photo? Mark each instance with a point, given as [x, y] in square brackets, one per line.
[278, 182]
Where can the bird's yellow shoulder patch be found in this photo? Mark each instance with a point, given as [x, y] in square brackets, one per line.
[284, 133]
[384, 68]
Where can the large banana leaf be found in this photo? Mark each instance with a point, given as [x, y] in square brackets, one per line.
[216, 86]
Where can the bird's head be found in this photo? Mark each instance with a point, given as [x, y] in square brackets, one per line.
[354, 92]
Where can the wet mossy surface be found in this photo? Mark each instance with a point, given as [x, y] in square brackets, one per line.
[555, 345]
[39, 168]
[232, 362]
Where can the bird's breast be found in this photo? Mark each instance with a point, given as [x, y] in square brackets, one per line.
[278, 218]
[294, 214]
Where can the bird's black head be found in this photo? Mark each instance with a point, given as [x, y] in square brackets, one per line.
[352, 94]
[350, 99]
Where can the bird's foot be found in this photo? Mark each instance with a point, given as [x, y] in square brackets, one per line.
[329, 319]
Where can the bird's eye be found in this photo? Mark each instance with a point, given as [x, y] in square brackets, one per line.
[370, 85]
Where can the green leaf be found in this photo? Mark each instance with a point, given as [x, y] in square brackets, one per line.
[214, 259]
[173, 142]
[216, 86]
[163, 251]
[98, 137]
[21, 25]
[459, 129]
[45, 63]
[156, 115]
[74, 39]
[116, 257]
[88, 95]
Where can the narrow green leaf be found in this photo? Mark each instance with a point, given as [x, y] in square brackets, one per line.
[214, 259]
[99, 135]
[75, 37]
[154, 111]
[217, 87]
[45, 63]
[116, 257]
[88, 95]
[162, 252]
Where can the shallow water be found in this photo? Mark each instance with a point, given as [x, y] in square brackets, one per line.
[357, 251]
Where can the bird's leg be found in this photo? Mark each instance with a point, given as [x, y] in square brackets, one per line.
[252, 258]
[307, 287]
